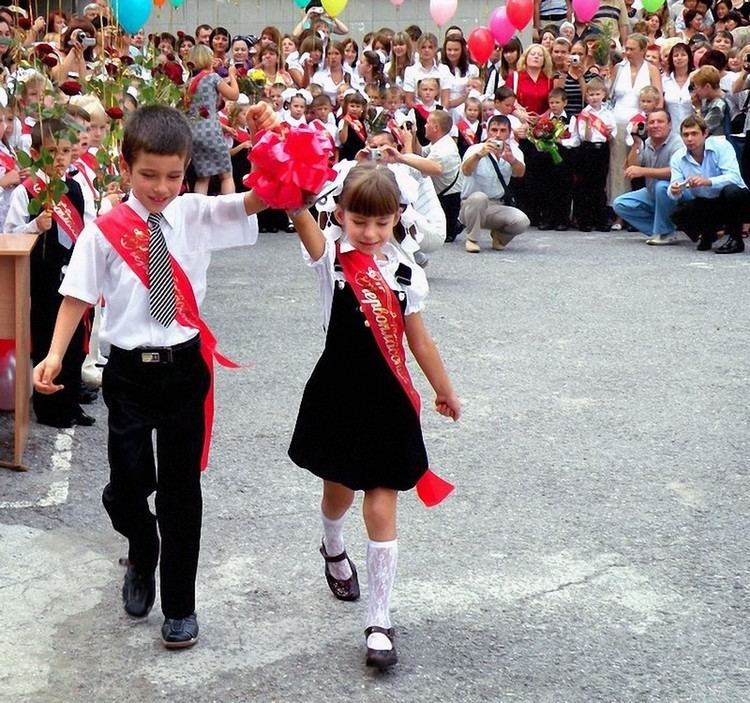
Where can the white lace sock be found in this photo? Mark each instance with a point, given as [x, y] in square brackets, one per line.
[381, 573]
[333, 539]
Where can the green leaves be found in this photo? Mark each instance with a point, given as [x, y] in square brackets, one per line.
[24, 159]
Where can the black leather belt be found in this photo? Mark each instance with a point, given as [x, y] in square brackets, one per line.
[157, 355]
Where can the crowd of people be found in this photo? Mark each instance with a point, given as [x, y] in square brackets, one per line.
[633, 119]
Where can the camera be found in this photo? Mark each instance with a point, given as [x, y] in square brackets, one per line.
[376, 154]
[79, 36]
[498, 144]
[575, 60]
[409, 125]
[640, 129]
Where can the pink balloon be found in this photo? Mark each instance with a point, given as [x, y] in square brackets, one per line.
[500, 25]
[397, 3]
[585, 9]
[443, 10]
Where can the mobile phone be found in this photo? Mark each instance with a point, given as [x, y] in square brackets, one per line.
[684, 184]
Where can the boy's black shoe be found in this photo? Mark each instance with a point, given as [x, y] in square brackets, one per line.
[83, 419]
[179, 633]
[706, 241]
[733, 245]
[138, 592]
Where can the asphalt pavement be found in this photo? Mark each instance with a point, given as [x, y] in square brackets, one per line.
[595, 549]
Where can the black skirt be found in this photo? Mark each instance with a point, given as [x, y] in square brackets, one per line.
[356, 426]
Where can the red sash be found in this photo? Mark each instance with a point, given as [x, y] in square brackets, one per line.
[422, 110]
[8, 162]
[358, 127]
[81, 166]
[193, 87]
[467, 132]
[240, 135]
[128, 234]
[383, 313]
[596, 122]
[63, 213]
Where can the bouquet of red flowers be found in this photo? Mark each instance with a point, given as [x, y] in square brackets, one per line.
[545, 135]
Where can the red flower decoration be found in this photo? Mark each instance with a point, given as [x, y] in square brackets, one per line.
[115, 113]
[111, 68]
[241, 71]
[43, 49]
[24, 23]
[50, 60]
[127, 60]
[170, 57]
[71, 88]
[291, 166]
[180, 34]
[203, 111]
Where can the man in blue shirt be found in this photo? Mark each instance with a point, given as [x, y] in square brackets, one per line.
[708, 188]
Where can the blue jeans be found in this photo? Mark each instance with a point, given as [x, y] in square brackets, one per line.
[649, 213]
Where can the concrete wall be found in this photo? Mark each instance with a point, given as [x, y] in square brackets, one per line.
[250, 16]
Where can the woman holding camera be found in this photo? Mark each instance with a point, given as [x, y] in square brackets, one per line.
[78, 40]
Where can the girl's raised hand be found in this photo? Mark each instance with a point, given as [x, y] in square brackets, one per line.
[448, 405]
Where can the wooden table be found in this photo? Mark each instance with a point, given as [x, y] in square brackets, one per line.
[14, 324]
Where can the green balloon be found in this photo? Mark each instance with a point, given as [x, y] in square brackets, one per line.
[652, 5]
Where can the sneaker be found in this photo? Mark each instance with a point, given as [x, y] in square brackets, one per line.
[179, 633]
[471, 246]
[662, 239]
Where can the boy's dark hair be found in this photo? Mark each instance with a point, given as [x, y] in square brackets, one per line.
[414, 31]
[45, 130]
[499, 119]
[558, 93]
[156, 129]
[503, 93]
[321, 100]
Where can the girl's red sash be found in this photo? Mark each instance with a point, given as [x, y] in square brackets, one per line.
[128, 234]
[8, 162]
[424, 113]
[466, 132]
[383, 314]
[358, 128]
[63, 212]
[81, 165]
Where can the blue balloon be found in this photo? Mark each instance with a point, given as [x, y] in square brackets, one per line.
[177, 3]
[131, 15]
[300, 3]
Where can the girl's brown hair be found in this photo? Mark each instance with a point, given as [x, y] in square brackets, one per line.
[371, 191]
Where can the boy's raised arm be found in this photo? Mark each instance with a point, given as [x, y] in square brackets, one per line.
[47, 370]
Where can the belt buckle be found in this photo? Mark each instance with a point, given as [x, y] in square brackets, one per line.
[161, 356]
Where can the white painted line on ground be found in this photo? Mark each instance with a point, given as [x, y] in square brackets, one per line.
[59, 464]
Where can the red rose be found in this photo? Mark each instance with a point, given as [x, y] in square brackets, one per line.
[50, 60]
[203, 111]
[43, 49]
[24, 23]
[115, 113]
[127, 60]
[241, 71]
[170, 57]
[180, 34]
[71, 88]
[111, 68]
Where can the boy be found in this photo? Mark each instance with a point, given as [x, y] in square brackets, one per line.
[153, 277]
[58, 229]
[557, 179]
[593, 129]
[505, 104]
[649, 99]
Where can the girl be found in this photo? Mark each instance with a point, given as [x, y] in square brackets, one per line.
[401, 57]
[335, 73]
[425, 66]
[351, 53]
[511, 54]
[210, 156]
[470, 126]
[455, 73]
[370, 69]
[295, 104]
[338, 437]
[428, 90]
[9, 169]
[352, 132]
[309, 61]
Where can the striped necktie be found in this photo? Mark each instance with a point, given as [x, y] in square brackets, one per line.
[161, 299]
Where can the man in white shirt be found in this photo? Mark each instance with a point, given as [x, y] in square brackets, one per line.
[441, 161]
[487, 170]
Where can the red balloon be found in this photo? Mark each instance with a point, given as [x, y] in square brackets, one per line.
[481, 44]
[520, 12]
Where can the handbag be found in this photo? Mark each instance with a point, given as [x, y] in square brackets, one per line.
[509, 197]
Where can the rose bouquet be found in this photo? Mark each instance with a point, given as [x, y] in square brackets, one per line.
[546, 134]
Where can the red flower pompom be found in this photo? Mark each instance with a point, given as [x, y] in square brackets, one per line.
[71, 88]
[203, 111]
[115, 113]
[24, 23]
[291, 166]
